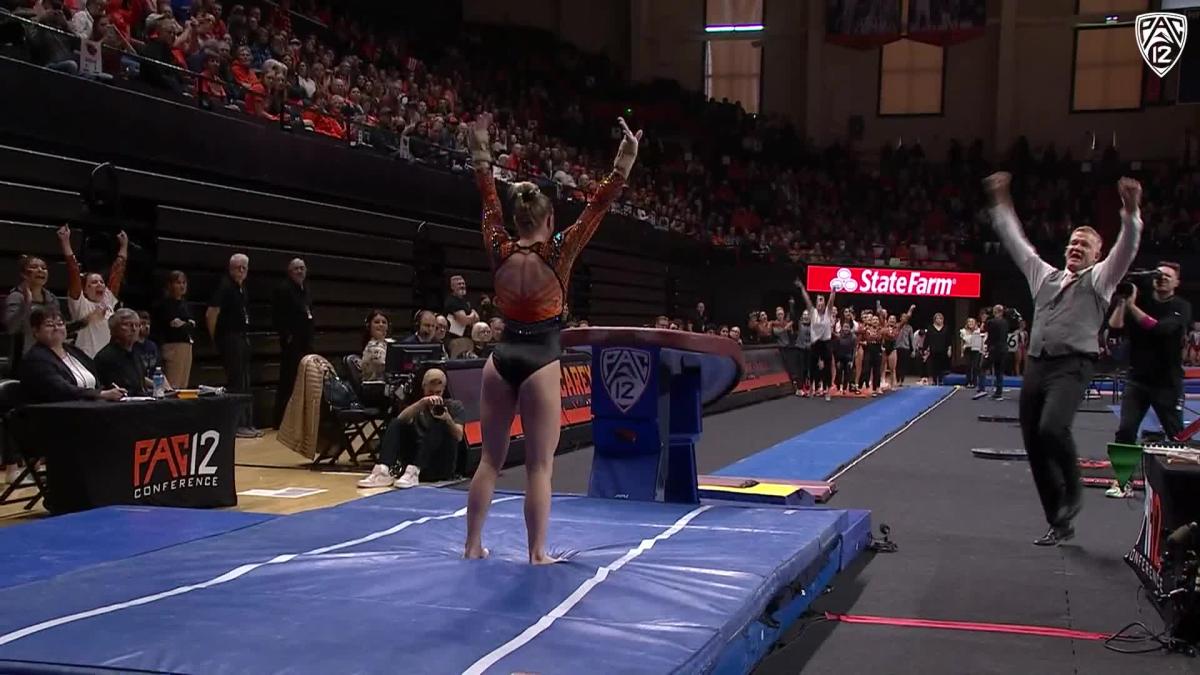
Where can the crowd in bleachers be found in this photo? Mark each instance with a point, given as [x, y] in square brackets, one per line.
[708, 170]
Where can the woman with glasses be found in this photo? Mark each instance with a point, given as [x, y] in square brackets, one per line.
[54, 371]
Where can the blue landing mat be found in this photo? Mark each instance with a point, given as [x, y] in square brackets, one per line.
[378, 585]
[818, 453]
[1150, 422]
[47, 548]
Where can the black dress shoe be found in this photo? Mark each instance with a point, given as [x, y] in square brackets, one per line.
[1055, 536]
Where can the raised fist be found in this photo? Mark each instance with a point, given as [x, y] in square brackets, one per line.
[997, 186]
[1131, 194]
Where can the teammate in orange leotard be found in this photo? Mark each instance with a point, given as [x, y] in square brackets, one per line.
[532, 271]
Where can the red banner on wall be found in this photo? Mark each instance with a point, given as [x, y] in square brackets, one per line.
[890, 281]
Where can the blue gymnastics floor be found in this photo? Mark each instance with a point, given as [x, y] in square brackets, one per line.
[378, 585]
[819, 453]
[1190, 385]
[1150, 422]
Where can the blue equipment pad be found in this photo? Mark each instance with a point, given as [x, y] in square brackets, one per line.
[47, 548]
[1150, 422]
[819, 453]
[378, 585]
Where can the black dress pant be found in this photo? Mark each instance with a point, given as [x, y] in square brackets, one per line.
[1138, 398]
[973, 359]
[432, 450]
[235, 358]
[995, 363]
[1050, 395]
[800, 376]
[822, 353]
[873, 365]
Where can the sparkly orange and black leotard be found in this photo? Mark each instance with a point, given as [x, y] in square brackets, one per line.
[530, 282]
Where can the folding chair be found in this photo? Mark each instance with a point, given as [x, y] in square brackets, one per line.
[11, 399]
[356, 428]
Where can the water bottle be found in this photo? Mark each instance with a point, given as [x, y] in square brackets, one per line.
[160, 383]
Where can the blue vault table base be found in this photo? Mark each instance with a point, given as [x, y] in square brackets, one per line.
[378, 585]
[648, 391]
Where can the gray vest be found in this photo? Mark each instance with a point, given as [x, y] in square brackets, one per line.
[1067, 321]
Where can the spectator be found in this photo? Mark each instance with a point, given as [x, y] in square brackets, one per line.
[52, 370]
[376, 332]
[83, 21]
[164, 72]
[293, 318]
[176, 330]
[117, 364]
[30, 294]
[426, 328]
[937, 349]
[424, 437]
[146, 348]
[442, 328]
[459, 314]
[228, 322]
[497, 326]
[90, 300]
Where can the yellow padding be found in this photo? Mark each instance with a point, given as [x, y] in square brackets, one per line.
[768, 489]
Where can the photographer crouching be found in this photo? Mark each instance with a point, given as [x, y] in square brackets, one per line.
[1156, 327]
[424, 436]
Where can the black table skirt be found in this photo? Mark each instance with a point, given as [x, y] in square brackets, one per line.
[170, 452]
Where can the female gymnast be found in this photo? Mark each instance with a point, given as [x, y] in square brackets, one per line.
[531, 273]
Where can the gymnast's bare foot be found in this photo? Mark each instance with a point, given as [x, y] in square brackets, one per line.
[476, 553]
[542, 559]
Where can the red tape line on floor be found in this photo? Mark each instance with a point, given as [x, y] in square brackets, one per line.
[1015, 629]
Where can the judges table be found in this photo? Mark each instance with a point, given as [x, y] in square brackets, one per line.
[170, 452]
[648, 388]
[1172, 503]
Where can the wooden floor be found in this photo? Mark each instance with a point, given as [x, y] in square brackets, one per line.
[264, 464]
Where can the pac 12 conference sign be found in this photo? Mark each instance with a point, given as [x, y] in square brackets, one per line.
[889, 281]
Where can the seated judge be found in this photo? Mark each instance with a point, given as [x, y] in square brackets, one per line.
[54, 371]
[117, 363]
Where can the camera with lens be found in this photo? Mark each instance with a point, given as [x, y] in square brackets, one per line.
[1012, 314]
[439, 409]
[1135, 277]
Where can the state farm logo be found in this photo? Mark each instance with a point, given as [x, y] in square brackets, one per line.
[896, 282]
[844, 282]
[174, 463]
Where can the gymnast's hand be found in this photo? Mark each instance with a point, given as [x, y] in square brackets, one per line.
[478, 141]
[627, 153]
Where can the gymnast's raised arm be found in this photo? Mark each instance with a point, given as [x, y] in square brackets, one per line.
[578, 235]
[481, 159]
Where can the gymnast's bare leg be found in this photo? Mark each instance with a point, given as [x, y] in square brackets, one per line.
[497, 404]
[540, 402]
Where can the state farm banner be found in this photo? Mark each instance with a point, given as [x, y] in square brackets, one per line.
[891, 281]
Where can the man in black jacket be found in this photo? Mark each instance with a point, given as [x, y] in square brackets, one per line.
[1156, 327]
[291, 308]
[996, 332]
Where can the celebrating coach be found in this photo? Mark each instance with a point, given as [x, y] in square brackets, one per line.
[1069, 309]
[1156, 327]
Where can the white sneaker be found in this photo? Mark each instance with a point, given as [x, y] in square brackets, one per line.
[1117, 492]
[380, 477]
[410, 479]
